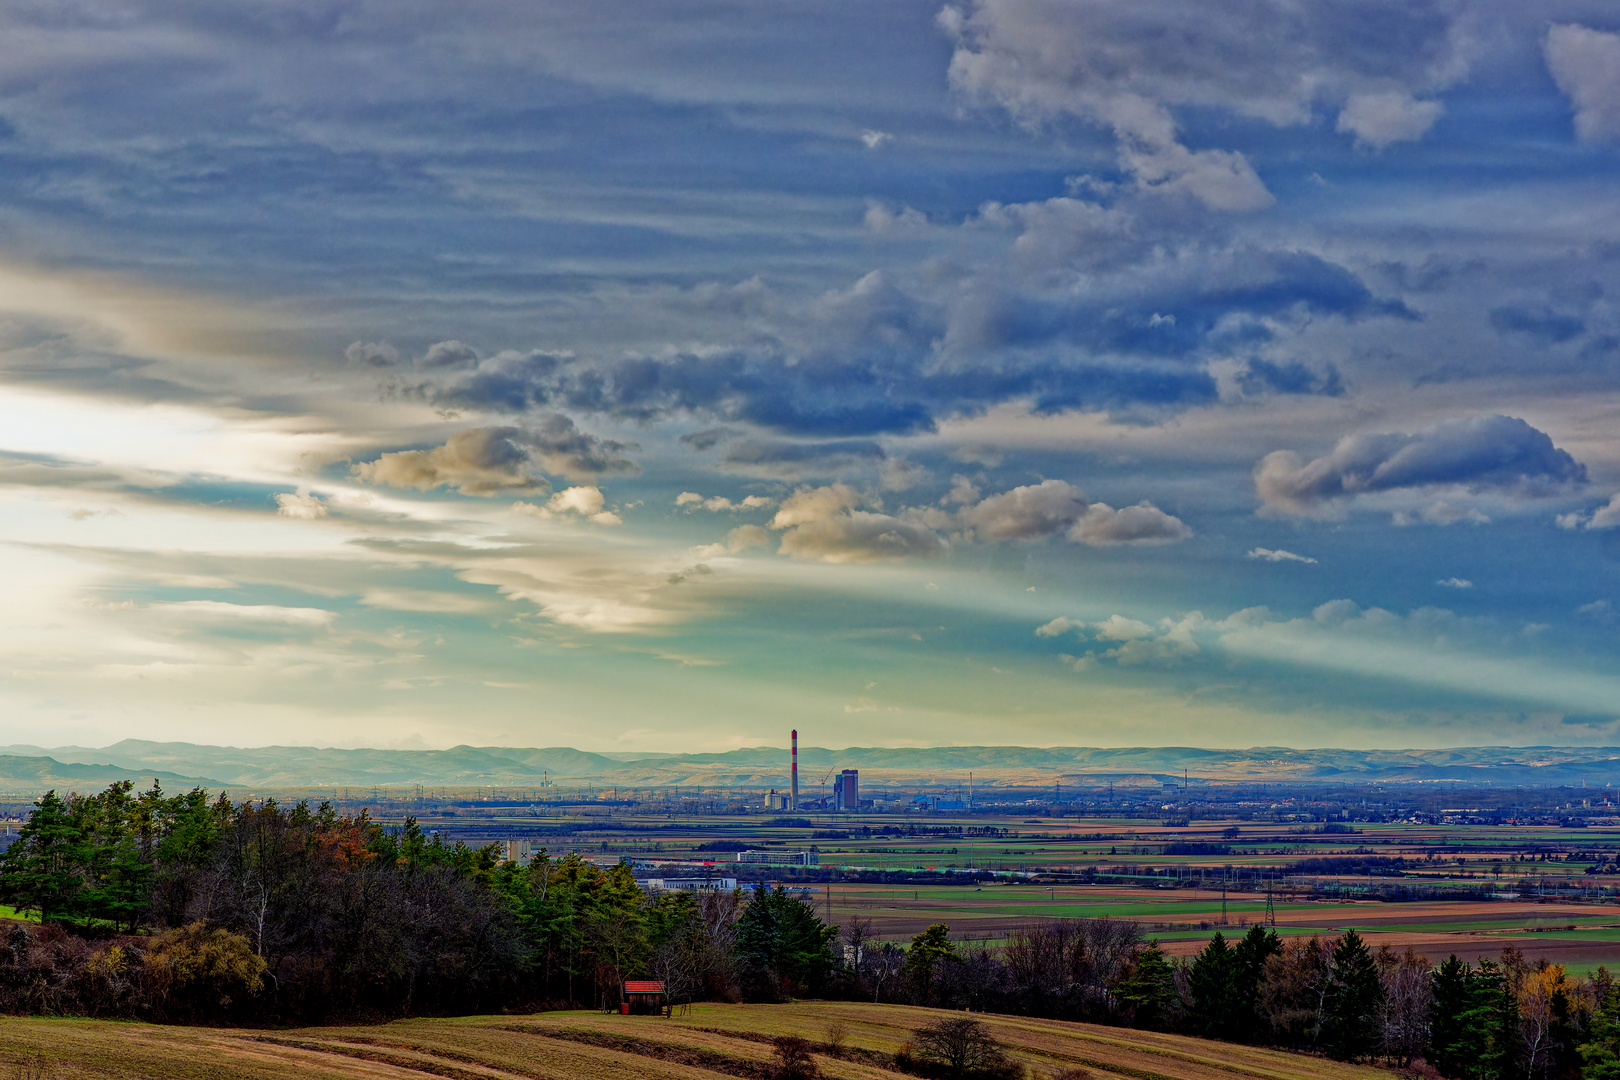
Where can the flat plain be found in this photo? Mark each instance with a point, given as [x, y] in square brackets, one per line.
[1480, 887]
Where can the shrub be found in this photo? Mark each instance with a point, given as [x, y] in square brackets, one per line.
[959, 1049]
[794, 1060]
[837, 1035]
[197, 971]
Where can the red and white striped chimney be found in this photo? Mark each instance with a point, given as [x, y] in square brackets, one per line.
[794, 797]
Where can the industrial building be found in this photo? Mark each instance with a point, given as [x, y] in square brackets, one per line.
[847, 791]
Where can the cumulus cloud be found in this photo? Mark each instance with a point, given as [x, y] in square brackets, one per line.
[1385, 117]
[449, 354]
[883, 220]
[1027, 513]
[583, 501]
[372, 354]
[963, 491]
[489, 461]
[1127, 65]
[1586, 65]
[825, 523]
[737, 541]
[898, 474]
[874, 139]
[1120, 628]
[1455, 583]
[1440, 512]
[1144, 523]
[300, 505]
[1496, 453]
[1166, 645]
[744, 537]
[1606, 516]
[1058, 627]
[478, 461]
[1278, 555]
[719, 503]
[1056, 506]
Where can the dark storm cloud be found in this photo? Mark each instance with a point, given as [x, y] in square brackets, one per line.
[1500, 453]
[1542, 324]
[1290, 377]
[825, 456]
[836, 396]
[892, 357]
[1173, 307]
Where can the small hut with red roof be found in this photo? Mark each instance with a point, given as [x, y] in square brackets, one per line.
[643, 997]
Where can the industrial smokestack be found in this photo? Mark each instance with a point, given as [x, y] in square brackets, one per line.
[793, 797]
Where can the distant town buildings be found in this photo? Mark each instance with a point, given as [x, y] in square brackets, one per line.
[780, 858]
[688, 884]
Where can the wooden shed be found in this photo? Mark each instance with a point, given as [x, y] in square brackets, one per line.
[643, 997]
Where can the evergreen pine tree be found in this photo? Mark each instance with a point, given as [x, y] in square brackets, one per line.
[1149, 987]
[1249, 958]
[1457, 1038]
[1496, 1012]
[1600, 1055]
[1354, 994]
[39, 872]
[1213, 982]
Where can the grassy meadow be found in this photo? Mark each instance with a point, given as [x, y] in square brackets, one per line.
[710, 1041]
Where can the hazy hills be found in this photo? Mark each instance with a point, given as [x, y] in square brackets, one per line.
[469, 766]
[40, 773]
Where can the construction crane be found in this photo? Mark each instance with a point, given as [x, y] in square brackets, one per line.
[822, 783]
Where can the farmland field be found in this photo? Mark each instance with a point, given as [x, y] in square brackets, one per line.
[1532, 885]
[1580, 936]
[713, 1040]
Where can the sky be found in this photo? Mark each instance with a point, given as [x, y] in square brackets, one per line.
[662, 377]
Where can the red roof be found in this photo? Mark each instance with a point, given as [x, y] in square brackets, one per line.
[643, 986]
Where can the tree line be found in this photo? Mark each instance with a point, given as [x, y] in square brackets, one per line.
[189, 909]
[185, 908]
[1502, 1019]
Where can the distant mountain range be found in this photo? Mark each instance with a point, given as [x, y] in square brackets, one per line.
[26, 774]
[34, 767]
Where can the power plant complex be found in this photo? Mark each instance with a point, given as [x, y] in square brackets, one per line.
[846, 788]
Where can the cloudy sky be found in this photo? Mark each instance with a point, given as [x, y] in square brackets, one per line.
[658, 377]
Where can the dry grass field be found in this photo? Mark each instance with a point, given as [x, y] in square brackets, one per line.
[712, 1041]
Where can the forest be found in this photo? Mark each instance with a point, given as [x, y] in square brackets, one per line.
[186, 909]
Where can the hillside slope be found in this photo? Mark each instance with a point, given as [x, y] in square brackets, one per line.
[712, 1041]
